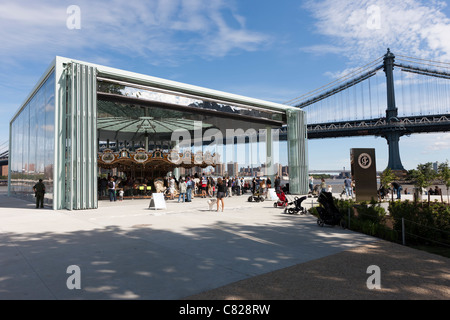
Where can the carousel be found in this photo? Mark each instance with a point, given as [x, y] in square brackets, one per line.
[148, 169]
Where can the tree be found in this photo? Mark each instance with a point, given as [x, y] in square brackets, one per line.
[387, 177]
[423, 176]
[444, 174]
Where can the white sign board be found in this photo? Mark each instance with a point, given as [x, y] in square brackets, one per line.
[157, 201]
[272, 194]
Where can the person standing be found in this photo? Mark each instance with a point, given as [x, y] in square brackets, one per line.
[204, 183]
[189, 185]
[323, 185]
[213, 187]
[230, 187]
[348, 187]
[269, 183]
[172, 187]
[182, 188]
[209, 187]
[39, 192]
[221, 190]
[311, 183]
[112, 190]
[103, 186]
[238, 186]
[277, 184]
[263, 191]
[397, 188]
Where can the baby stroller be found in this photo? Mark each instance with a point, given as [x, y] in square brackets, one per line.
[328, 213]
[315, 192]
[257, 196]
[297, 206]
[282, 200]
[383, 192]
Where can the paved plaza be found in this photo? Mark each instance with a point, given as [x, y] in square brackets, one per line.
[124, 250]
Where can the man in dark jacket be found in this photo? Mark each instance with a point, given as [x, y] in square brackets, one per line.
[39, 192]
[397, 188]
[277, 184]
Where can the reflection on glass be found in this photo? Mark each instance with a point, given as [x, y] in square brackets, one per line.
[32, 144]
[187, 101]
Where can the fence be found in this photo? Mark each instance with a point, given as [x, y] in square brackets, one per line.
[404, 231]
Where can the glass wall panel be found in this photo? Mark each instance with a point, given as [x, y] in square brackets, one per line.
[297, 154]
[33, 132]
[32, 144]
[48, 130]
[25, 149]
[199, 104]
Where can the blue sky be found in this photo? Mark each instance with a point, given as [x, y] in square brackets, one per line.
[271, 50]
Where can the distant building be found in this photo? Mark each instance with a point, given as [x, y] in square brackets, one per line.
[278, 169]
[220, 170]
[436, 166]
[232, 168]
[4, 171]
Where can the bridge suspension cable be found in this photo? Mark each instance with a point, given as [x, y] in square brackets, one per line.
[336, 82]
[4, 146]
[423, 71]
[342, 87]
[427, 86]
[417, 60]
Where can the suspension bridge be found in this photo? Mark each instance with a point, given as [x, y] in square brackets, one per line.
[390, 97]
[4, 153]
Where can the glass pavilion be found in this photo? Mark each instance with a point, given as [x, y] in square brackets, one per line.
[81, 116]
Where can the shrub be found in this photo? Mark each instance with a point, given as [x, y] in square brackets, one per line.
[422, 223]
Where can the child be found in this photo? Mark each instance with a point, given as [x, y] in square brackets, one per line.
[120, 194]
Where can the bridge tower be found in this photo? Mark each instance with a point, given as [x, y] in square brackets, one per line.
[396, 130]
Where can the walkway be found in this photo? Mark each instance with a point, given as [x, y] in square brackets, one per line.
[250, 251]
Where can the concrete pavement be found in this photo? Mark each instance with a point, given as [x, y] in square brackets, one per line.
[126, 251]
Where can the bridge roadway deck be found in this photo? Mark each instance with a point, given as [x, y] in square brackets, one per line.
[378, 127]
[250, 251]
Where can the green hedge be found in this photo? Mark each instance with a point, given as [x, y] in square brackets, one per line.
[365, 217]
[424, 223]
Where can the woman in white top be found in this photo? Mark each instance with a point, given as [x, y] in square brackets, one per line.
[172, 187]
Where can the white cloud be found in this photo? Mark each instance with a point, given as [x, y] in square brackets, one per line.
[31, 14]
[426, 147]
[159, 28]
[418, 28]
[321, 49]
[441, 142]
[341, 74]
